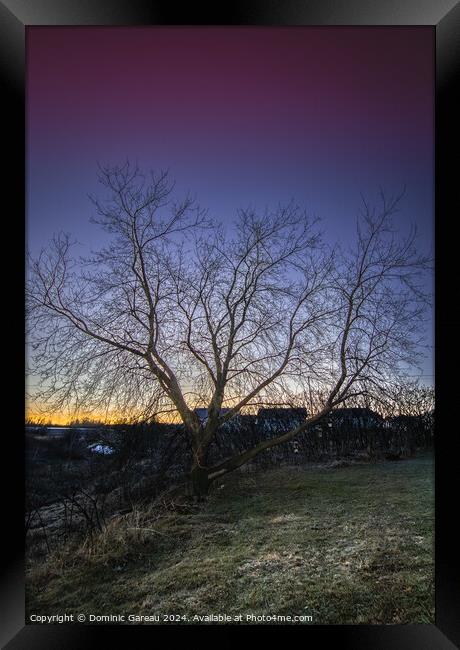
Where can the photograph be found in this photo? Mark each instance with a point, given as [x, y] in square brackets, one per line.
[230, 378]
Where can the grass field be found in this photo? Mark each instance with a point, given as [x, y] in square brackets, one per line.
[344, 545]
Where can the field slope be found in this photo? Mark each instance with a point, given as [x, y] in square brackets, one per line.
[345, 545]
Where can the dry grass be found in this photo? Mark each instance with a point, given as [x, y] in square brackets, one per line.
[346, 545]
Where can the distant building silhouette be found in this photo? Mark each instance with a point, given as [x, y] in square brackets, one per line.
[280, 419]
[354, 418]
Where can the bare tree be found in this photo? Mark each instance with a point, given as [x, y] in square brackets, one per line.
[174, 314]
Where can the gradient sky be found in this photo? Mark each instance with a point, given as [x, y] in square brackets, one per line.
[241, 116]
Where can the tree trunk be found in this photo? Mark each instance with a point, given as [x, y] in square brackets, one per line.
[199, 473]
[199, 482]
[202, 476]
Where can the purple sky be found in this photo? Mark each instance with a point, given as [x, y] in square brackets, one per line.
[241, 116]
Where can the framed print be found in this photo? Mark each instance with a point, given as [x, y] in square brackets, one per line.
[238, 301]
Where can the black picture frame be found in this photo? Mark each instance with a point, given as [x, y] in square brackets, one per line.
[444, 17]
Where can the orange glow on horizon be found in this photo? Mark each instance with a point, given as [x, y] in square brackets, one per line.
[65, 419]
[41, 415]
